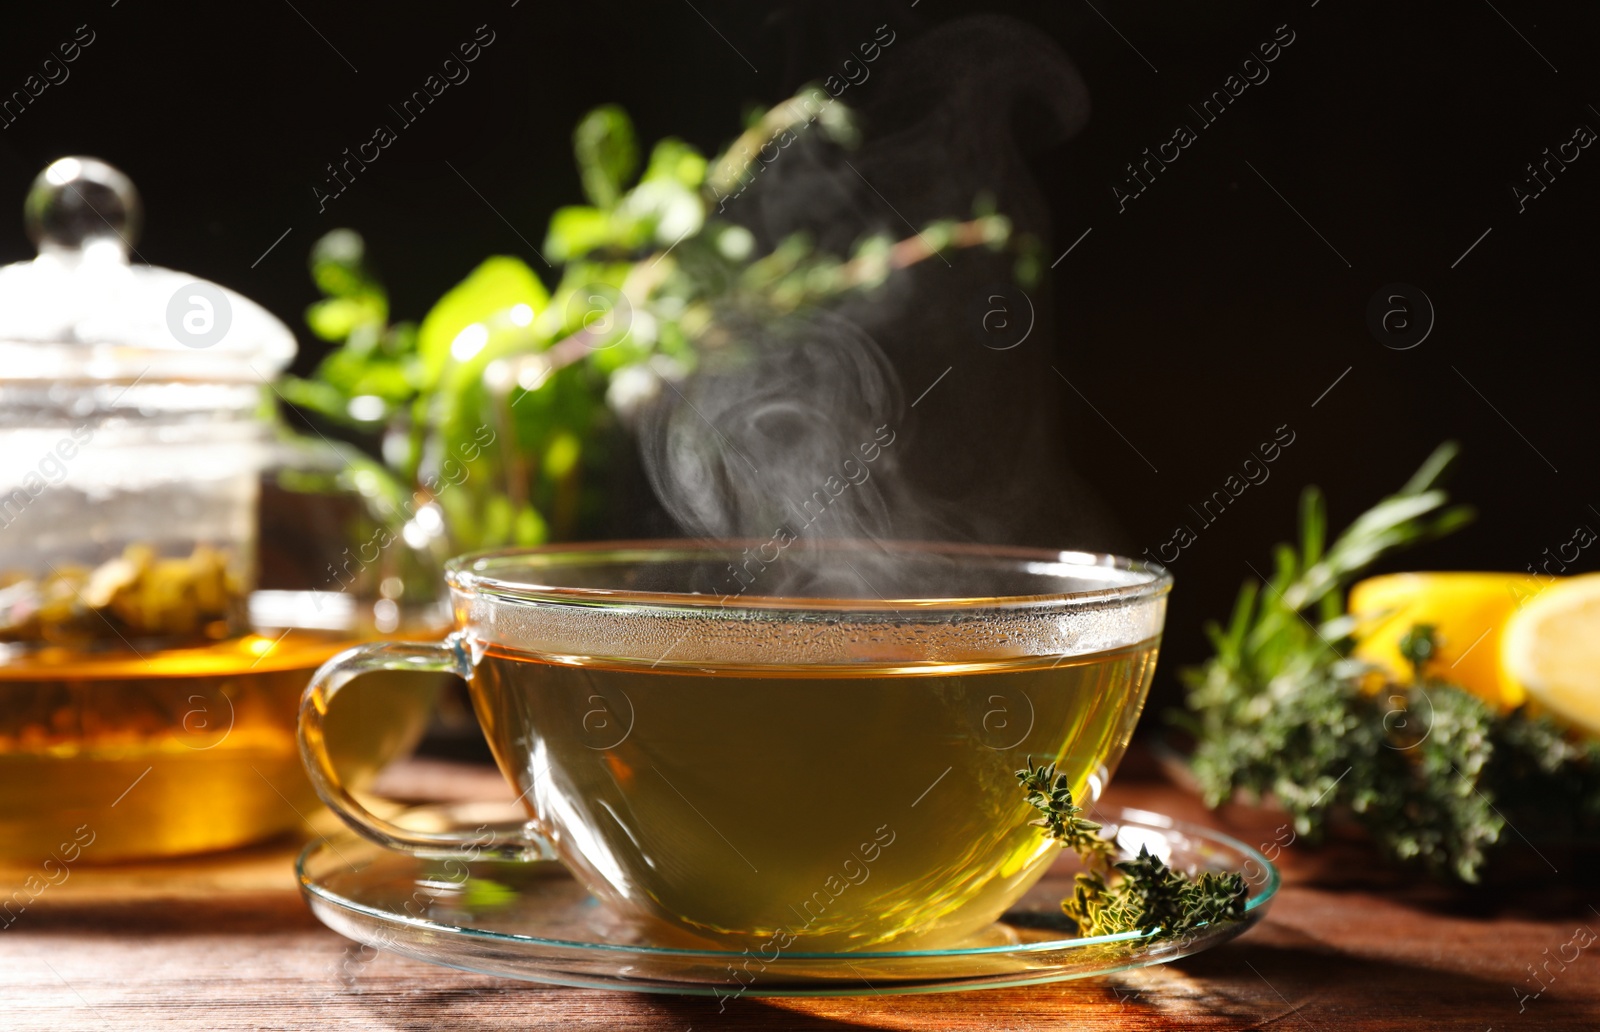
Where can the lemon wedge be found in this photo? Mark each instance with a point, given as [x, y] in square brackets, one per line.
[1552, 647]
[1468, 612]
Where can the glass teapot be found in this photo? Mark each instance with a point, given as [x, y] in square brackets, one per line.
[148, 689]
[132, 403]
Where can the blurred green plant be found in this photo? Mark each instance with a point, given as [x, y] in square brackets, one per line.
[497, 403]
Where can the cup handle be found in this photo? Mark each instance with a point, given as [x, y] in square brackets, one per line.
[449, 656]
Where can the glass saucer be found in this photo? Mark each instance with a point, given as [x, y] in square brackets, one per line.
[533, 921]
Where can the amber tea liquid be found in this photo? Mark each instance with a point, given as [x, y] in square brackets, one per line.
[833, 808]
[178, 750]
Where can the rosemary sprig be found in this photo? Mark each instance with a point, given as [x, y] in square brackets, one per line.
[1142, 894]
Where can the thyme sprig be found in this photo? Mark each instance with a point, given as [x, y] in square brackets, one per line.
[1050, 793]
[1142, 894]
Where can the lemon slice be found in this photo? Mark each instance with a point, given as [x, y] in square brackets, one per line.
[1552, 647]
[1468, 612]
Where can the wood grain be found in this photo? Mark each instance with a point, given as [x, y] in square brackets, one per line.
[225, 942]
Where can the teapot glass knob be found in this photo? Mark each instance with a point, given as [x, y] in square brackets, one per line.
[80, 203]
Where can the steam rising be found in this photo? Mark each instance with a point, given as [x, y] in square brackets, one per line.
[756, 443]
[785, 434]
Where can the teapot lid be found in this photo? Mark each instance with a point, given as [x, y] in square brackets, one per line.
[81, 311]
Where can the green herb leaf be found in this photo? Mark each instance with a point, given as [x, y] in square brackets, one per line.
[607, 153]
[485, 298]
[672, 160]
[337, 318]
[577, 230]
[338, 265]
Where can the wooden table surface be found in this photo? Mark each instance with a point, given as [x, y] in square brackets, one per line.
[225, 942]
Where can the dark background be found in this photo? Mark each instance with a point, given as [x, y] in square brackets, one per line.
[1191, 326]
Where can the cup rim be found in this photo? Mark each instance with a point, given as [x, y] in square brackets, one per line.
[472, 574]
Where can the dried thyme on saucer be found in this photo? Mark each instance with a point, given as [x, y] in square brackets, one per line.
[1138, 895]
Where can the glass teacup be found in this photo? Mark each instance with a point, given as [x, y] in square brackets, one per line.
[810, 754]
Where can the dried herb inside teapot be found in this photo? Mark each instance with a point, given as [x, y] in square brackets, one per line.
[139, 595]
